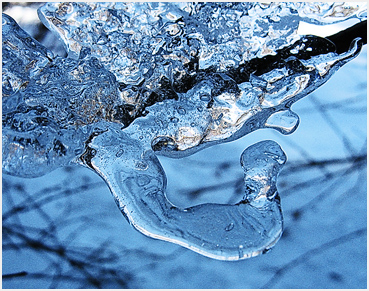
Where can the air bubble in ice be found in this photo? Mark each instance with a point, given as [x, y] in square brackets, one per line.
[205, 97]
[181, 110]
[119, 153]
[141, 165]
[229, 227]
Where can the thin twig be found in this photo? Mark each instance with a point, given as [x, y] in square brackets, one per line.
[311, 253]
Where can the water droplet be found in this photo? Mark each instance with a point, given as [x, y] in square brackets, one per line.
[284, 121]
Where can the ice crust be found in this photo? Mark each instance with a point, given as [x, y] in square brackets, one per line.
[147, 79]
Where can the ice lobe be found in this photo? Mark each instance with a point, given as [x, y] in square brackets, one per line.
[147, 79]
[138, 184]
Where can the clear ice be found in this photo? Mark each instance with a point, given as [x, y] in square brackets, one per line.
[148, 79]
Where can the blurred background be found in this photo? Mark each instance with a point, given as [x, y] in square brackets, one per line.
[63, 230]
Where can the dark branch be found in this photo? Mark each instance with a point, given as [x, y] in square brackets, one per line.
[343, 39]
[13, 275]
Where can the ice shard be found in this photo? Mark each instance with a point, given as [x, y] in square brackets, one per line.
[148, 79]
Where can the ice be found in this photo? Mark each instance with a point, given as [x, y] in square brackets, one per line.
[284, 121]
[147, 79]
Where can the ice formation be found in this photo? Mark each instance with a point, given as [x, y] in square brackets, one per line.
[148, 79]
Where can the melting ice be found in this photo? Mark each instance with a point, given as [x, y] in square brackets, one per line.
[148, 79]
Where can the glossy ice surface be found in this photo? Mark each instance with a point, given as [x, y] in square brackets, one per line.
[147, 79]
